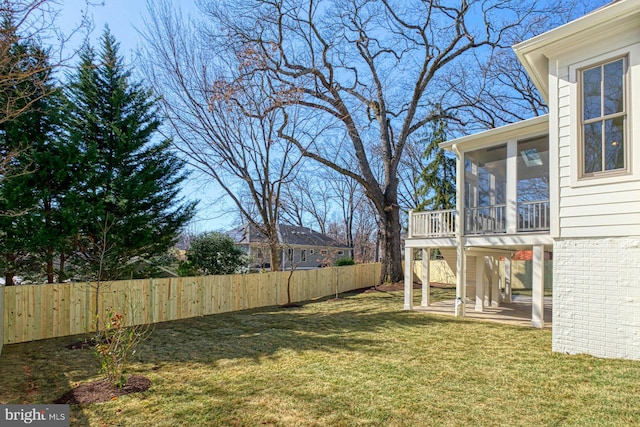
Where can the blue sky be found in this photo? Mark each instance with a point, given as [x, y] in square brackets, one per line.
[125, 18]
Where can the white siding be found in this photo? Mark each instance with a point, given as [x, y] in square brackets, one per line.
[595, 207]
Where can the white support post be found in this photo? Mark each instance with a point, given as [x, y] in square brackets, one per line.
[480, 291]
[410, 224]
[537, 303]
[495, 285]
[461, 283]
[507, 280]
[408, 278]
[512, 188]
[426, 289]
[461, 258]
[487, 281]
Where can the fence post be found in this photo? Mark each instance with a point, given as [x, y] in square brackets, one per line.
[219, 296]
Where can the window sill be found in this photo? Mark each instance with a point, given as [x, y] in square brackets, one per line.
[605, 178]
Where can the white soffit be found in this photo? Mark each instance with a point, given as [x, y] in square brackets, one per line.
[534, 53]
[519, 130]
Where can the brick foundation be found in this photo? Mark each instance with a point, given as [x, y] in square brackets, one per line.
[596, 297]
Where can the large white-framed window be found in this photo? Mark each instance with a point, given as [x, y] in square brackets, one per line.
[603, 143]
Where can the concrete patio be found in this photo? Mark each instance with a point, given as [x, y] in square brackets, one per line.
[518, 312]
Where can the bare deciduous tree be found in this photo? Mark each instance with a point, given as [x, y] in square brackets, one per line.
[370, 70]
[307, 200]
[224, 141]
[496, 89]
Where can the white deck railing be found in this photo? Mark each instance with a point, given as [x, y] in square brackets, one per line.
[433, 224]
[485, 220]
[533, 216]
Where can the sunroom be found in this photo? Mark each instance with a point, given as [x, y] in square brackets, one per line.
[502, 207]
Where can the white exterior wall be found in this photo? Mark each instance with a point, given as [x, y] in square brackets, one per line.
[596, 221]
[604, 206]
[596, 297]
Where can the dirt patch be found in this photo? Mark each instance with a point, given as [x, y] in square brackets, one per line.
[291, 305]
[82, 344]
[103, 391]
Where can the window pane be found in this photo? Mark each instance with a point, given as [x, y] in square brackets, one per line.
[614, 143]
[591, 93]
[485, 176]
[614, 87]
[533, 170]
[593, 147]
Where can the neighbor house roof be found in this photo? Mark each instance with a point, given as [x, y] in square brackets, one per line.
[289, 235]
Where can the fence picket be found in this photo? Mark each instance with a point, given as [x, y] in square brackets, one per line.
[33, 312]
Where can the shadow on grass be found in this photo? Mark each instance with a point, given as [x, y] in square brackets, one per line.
[330, 325]
[41, 371]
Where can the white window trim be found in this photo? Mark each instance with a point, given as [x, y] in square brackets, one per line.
[632, 55]
[625, 113]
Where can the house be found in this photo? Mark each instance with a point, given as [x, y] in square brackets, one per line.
[302, 247]
[567, 182]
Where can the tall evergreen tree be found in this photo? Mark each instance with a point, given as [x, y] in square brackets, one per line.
[437, 181]
[26, 135]
[127, 186]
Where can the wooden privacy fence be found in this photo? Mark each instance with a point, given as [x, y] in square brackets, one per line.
[33, 312]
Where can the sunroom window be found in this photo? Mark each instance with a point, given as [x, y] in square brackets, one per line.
[604, 117]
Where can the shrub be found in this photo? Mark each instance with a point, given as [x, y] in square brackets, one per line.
[115, 344]
[344, 261]
[216, 253]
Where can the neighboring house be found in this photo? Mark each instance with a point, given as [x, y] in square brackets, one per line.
[567, 182]
[302, 247]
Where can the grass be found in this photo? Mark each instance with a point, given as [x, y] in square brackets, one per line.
[529, 292]
[356, 361]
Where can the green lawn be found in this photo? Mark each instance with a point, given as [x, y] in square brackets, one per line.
[359, 360]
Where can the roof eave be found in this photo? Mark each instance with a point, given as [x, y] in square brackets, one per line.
[535, 52]
[524, 128]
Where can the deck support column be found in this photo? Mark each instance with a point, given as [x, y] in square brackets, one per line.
[461, 283]
[507, 280]
[426, 289]
[495, 285]
[480, 288]
[537, 300]
[408, 278]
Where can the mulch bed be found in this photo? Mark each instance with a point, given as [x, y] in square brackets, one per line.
[103, 391]
[82, 344]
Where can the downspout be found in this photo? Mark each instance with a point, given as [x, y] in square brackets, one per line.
[461, 288]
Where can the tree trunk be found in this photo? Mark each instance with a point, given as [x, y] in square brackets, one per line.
[274, 249]
[9, 274]
[391, 247]
[50, 270]
[61, 275]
